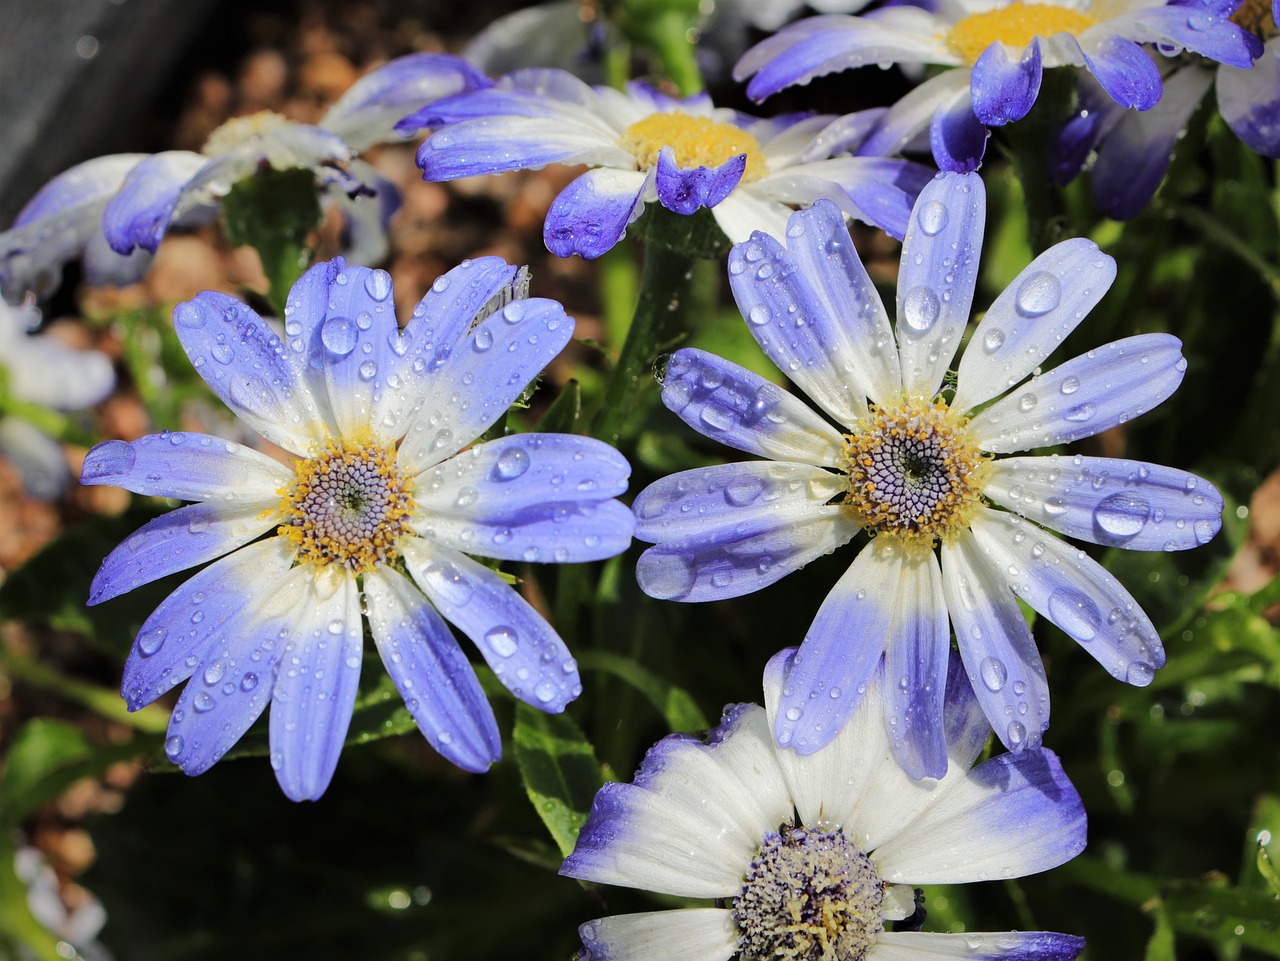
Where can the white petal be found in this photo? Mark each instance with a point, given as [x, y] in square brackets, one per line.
[692, 934]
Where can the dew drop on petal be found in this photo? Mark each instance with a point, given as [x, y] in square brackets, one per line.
[1080, 413]
[1017, 733]
[1123, 514]
[512, 462]
[173, 746]
[1074, 613]
[1140, 674]
[202, 703]
[920, 308]
[1038, 294]
[368, 370]
[994, 673]
[483, 340]
[502, 639]
[1204, 531]
[932, 218]
[993, 340]
[248, 682]
[544, 692]
[377, 283]
[188, 315]
[1070, 385]
[339, 335]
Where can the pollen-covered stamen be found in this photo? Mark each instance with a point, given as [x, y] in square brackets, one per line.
[1015, 25]
[695, 141]
[914, 472]
[809, 895]
[348, 504]
[241, 130]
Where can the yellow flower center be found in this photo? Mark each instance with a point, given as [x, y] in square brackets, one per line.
[240, 130]
[1016, 25]
[349, 504]
[914, 472]
[696, 142]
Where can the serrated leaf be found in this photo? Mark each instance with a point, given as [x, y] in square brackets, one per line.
[679, 710]
[560, 771]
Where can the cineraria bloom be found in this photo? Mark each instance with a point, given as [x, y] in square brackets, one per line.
[809, 857]
[912, 464]
[644, 146]
[132, 199]
[373, 519]
[998, 50]
[39, 374]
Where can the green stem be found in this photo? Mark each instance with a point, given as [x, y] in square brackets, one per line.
[149, 720]
[1029, 142]
[1222, 235]
[669, 34]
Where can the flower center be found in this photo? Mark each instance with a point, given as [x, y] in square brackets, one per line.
[240, 130]
[348, 505]
[1016, 25]
[808, 896]
[914, 472]
[1256, 17]
[696, 142]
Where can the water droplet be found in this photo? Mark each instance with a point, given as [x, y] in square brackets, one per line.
[151, 641]
[932, 218]
[202, 703]
[339, 335]
[188, 315]
[248, 682]
[483, 340]
[1080, 413]
[173, 746]
[213, 672]
[378, 284]
[759, 315]
[993, 340]
[1205, 531]
[920, 308]
[503, 640]
[222, 353]
[794, 713]
[1140, 674]
[1070, 385]
[336, 625]
[513, 313]
[368, 370]
[1074, 613]
[668, 577]
[743, 491]
[1055, 506]
[1038, 294]
[994, 673]
[1027, 402]
[1017, 733]
[512, 462]
[544, 692]
[1123, 514]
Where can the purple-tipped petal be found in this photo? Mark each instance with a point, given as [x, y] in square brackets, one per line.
[1250, 101]
[521, 648]
[958, 138]
[316, 683]
[685, 191]
[1004, 89]
[1200, 28]
[141, 210]
[1125, 71]
[977, 946]
[591, 214]
[431, 672]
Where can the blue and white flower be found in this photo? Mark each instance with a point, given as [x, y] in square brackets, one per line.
[115, 210]
[643, 146]
[997, 51]
[372, 521]
[912, 463]
[41, 375]
[811, 856]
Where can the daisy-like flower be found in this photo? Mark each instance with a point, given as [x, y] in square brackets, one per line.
[997, 50]
[644, 146]
[115, 210]
[38, 375]
[372, 521]
[810, 856]
[913, 464]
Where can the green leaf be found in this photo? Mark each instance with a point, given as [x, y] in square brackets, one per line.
[562, 416]
[273, 212]
[679, 710]
[560, 771]
[1268, 870]
[1160, 947]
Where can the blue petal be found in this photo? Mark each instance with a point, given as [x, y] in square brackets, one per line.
[175, 541]
[540, 92]
[1080, 135]
[957, 138]
[1002, 89]
[139, 213]
[521, 648]
[685, 191]
[1119, 503]
[591, 214]
[978, 946]
[1250, 101]
[740, 408]
[315, 685]
[434, 677]
[840, 651]
[1003, 665]
[816, 314]
[192, 467]
[550, 533]
[1126, 72]
[1084, 396]
[1201, 29]
[172, 641]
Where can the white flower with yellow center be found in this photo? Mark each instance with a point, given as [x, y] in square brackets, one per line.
[815, 858]
[372, 521]
[958, 532]
[685, 154]
[997, 50]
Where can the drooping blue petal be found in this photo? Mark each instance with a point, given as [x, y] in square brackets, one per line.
[173, 639]
[1003, 89]
[1125, 71]
[1084, 396]
[487, 371]
[1119, 503]
[175, 541]
[369, 110]
[1250, 101]
[591, 214]
[249, 368]
[816, 314]
[977, 946]
[840, 651]
[957, 138]
[685, 191]
[1096, 113]
[190, 467]
[1001, 659]
[937, 277]
[1198, 27]
[316, 683]
[434, 677]
[521, 648]
[740, 408]
[232, 683]
[1075, 592]
[1030, 319]
[139, 213]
